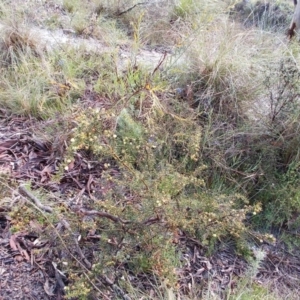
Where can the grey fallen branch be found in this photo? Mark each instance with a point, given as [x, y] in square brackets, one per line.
[102, 214]
[22, 190]
[115, 219]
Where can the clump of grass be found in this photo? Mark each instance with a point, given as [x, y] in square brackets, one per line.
[221, 75]
[29, 88]
[273, 16]
[44, 85]
[92, 20]
[17, 41]
[23, 75]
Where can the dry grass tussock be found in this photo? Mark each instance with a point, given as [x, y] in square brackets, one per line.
[225, 64]
[16, 41]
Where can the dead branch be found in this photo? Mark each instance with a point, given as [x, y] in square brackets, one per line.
[22, 190]
[130, 8]
[152, 220]
[102, 214]
[160, 62]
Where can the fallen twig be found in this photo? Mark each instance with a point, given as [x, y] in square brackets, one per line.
[130, 8]
[102, 214]
[152, 220]
[115, 219]
[37, 202]
[160, 62]
[88, 264]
